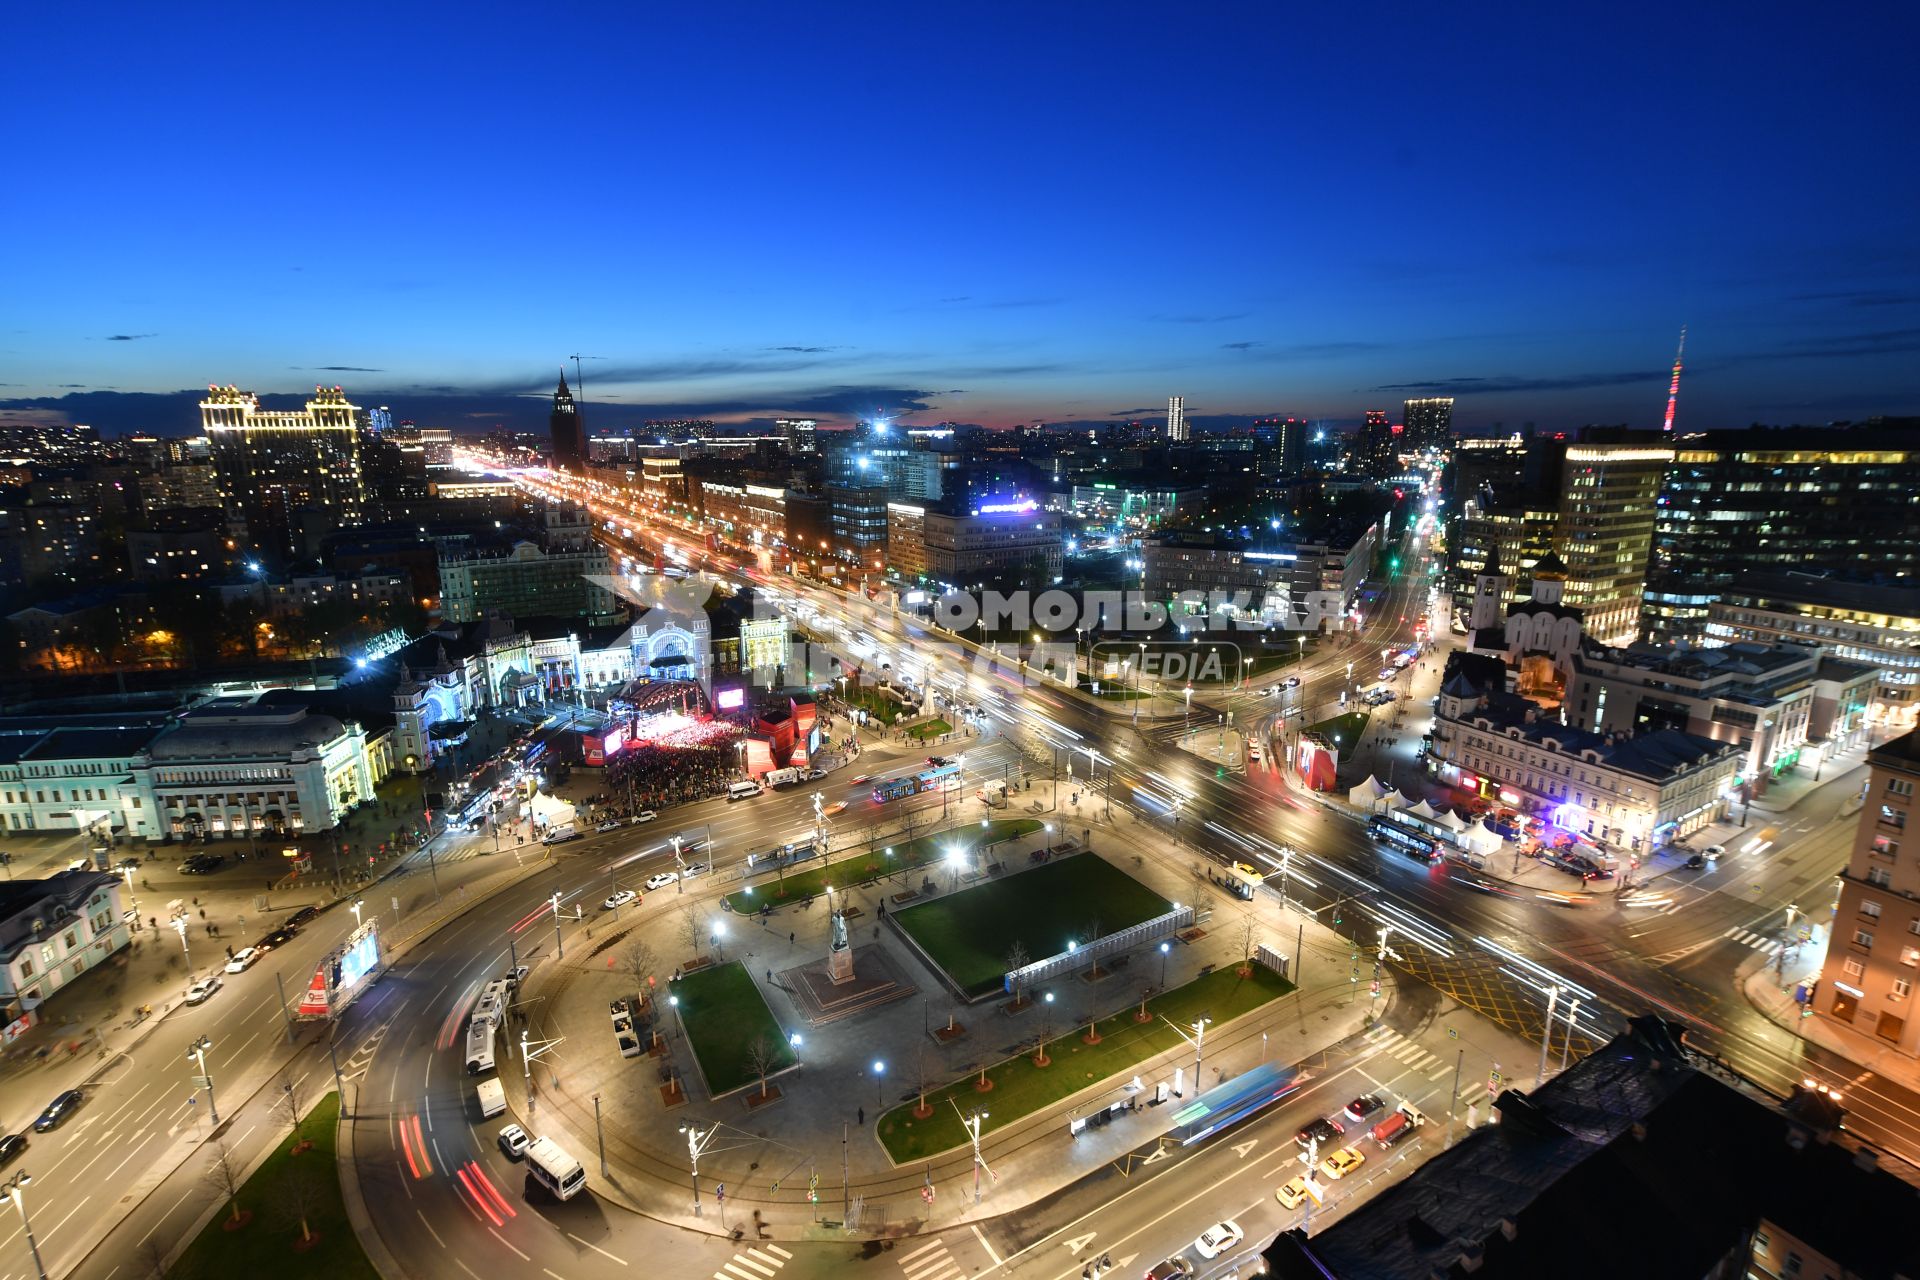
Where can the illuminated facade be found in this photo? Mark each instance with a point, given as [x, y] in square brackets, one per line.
[1873, 957]
[1177, 429]
[1875, 624]
[567, 430]
[1428, 422]
[1609, 497]
[1012, 540]
[272, 466]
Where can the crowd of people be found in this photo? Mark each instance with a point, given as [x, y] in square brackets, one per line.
[654, 775]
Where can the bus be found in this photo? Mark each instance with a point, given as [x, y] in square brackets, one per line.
[1229, 1103]
[944, 777]
[479, 1047]
[894, 788]
[1413, 843]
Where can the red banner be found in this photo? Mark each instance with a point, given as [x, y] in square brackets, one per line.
[314, 1003]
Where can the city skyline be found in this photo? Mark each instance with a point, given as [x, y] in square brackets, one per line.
[740, 243]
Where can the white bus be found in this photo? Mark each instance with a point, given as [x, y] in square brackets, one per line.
[479, 1047]
[492, 1004]
[549, 1165]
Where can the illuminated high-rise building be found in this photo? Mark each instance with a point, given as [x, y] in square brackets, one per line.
[1428, 422]
[1177, 418]
[567, 431]
[278, 471]
[799, 433]
[1380, 445]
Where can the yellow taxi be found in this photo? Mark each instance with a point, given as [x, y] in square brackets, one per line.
[1292, 1193]
[1342, 1162]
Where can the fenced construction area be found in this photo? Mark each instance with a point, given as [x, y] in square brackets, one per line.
[972, 934]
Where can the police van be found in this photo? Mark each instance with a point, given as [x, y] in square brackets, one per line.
[549, 1165]
[479, 1047]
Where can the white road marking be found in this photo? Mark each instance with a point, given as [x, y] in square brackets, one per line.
[596, 1248]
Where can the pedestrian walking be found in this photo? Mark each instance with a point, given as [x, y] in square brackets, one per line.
[862, 1113]
[790, 938]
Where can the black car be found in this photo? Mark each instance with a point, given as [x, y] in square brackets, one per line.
[58, 1110]
[1325, 1131]
[300, 917]
[278, 938]
[11, 1146]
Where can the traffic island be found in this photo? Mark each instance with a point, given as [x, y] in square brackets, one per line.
[298, 1221]
[735, 1040]
[1030, 1081]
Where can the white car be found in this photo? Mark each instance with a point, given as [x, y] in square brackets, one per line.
[620, 898]
[1218, 1238]
[1293, 682]
[243, 959]
[514, 1141]
[609, 825]
[661, 879]
[1714, 852]
[645, 815]
[694, 869]
[201, 990]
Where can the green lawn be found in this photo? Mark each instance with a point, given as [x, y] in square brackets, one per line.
[874, 703]
[1020, 1088]
[725, 1016]
[970, 933]
[873, 863]
[1347, 727]
[931, 729]
[265, 1246]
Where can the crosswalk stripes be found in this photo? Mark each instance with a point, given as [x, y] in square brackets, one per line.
[753, 1264]
[931, 1262]
[1759, 942]
[1402, 1050]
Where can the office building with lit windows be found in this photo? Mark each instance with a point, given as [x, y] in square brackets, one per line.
[1428, 422]
[280, 470]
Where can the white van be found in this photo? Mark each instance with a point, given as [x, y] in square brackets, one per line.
[742, 791]
[479, 1047]
[549, 1165]
[560, 834]
[782, 777]
[493, 1098]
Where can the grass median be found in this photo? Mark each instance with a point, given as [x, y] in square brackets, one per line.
[931, 729]
[1019, 1088]
[296, 1223]
[730, 1027]
[971, 934]
[871, 864]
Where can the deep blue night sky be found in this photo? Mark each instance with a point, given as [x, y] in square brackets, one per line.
[1016, 213]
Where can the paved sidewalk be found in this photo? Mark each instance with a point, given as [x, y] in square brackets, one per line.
[835, 1085]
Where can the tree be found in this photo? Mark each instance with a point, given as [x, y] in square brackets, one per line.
[638, 961]
[1016, 961]
[225, 1175]
[1246, 946]
[762, 1058]
[152, 1255]
[690, 928]
[291, 1105]
[299, 1196]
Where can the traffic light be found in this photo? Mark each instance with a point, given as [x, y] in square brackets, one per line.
[1336, 913]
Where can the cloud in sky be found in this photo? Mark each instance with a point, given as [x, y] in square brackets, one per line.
[129, 337]
[1508, 385]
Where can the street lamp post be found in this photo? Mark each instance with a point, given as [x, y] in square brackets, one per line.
[180, 927]
[197, 1051]
[11, 1190]
[1553, 995]
[972, 1125]
[558, 951]
[879, 1086]
[1165, 947]
[697, 1141]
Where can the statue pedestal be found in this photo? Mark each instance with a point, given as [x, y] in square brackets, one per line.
[840, 966]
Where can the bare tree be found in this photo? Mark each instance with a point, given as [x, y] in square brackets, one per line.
[152, 1255]
[690, 928]
[291, 1104]
[1247, 930]
[1016, 961]
[299, 1197]
[922, 1111]
[1093, 928]
[638, 961]
[762, 1058]
[225, 1175]
[910, 823]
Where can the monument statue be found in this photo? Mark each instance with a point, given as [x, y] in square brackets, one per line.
[840, 931]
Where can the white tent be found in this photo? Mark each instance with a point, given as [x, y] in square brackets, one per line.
[1393, 800]
[1423, 810]
[1481, 838]
[1450, 820]
[1367, 794]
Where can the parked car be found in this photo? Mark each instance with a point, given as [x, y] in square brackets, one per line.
[1365, 1105]
[301, 916]
[1218, 1238]
[58, 1111]
[619, 898]
[814, 775]
[11, 1146]
[611, 824]
[278, 938]
[661, 879]
[201, 991]
[514, 977]
[1293, 682]
[1342, 1162]
[243, 959]
[645, 815]
[694, 869]
[514, 1141]
[1170, 1269]
[1292, 1193]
